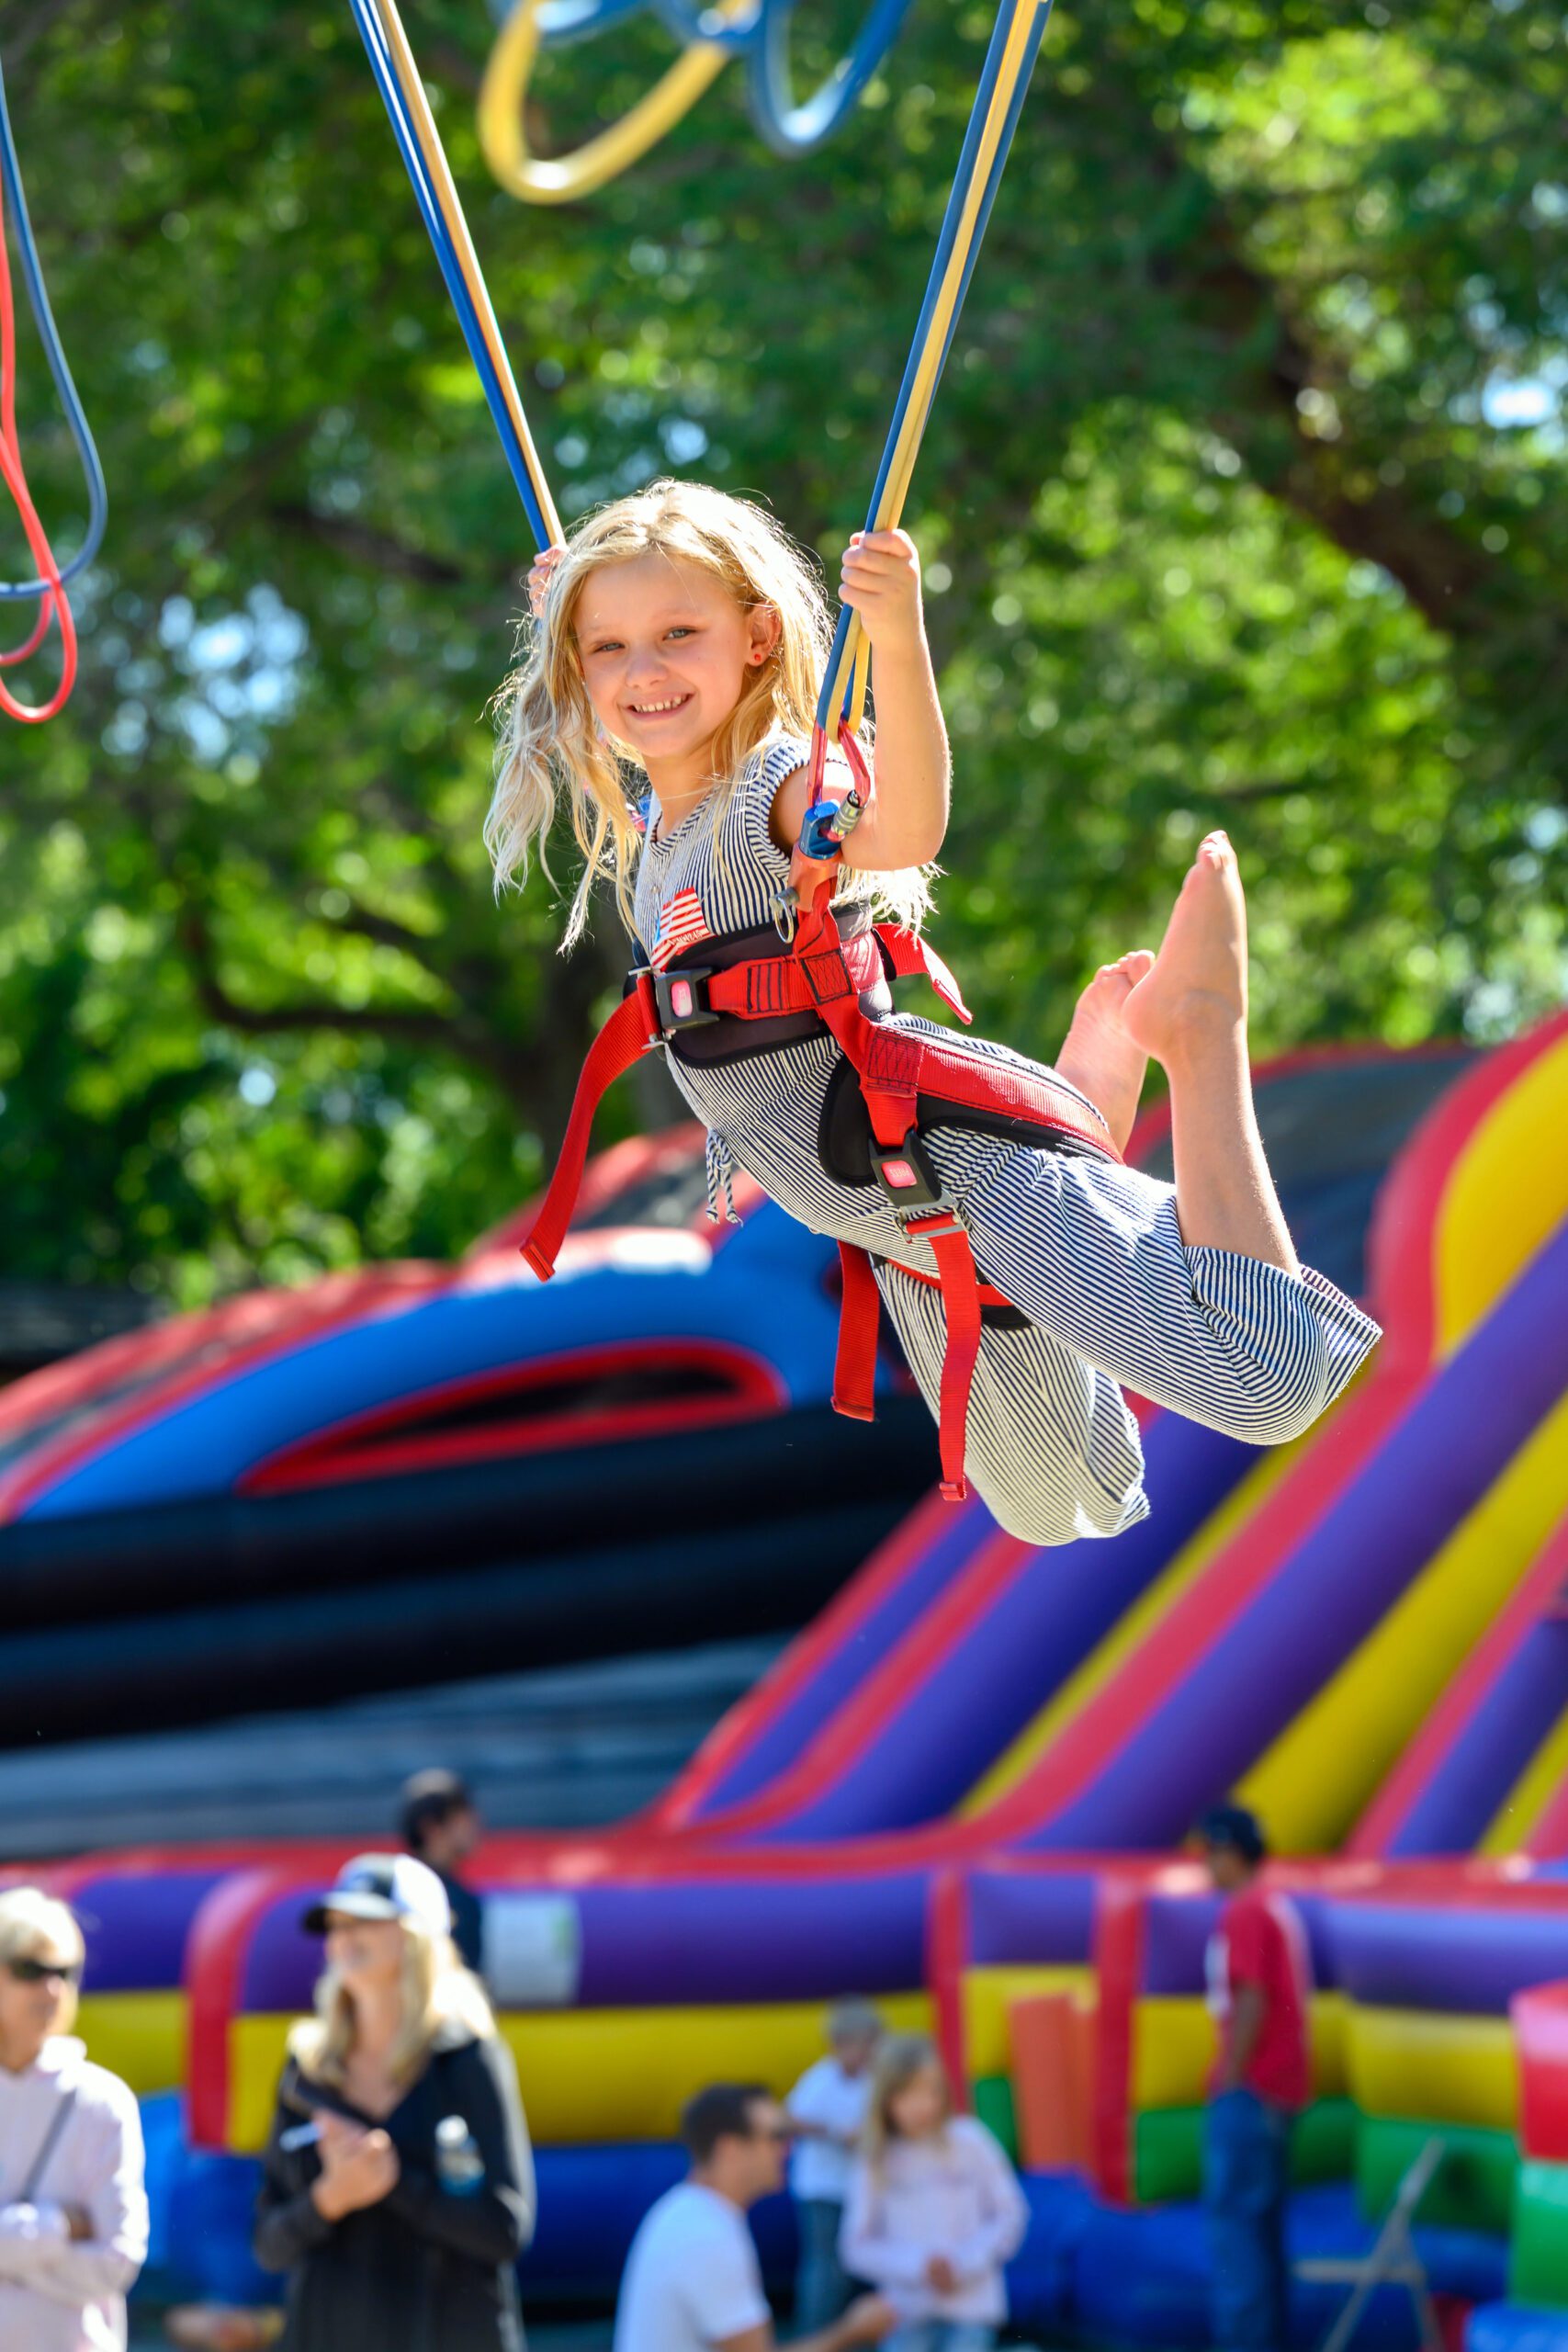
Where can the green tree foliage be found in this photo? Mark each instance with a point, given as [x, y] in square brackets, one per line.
[1242, 504]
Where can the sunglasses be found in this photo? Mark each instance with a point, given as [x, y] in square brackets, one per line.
[38, 1972]
[778, 2133]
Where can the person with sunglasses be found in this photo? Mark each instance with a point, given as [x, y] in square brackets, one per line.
[692, 2282]
[73, 2206]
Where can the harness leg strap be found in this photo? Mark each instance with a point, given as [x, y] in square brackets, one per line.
[618, 1044]
[855, 1373]
[960, 1287]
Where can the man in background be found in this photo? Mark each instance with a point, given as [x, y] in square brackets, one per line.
[1260, 1974]
[439, 1823]
[692, 2282]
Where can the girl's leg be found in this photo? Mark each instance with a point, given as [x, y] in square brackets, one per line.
[1194, 1297]
[1190, 1013]
[1052, 1450]
[1099, 1057]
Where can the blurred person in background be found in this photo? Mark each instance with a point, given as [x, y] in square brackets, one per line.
[692, 2282]
[827, 2112]
[935, 2212]
[73, 2207]
[398, 2184]
[1259, 1975]
[439, 1823]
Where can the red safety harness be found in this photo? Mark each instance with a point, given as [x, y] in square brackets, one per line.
[907, 1085]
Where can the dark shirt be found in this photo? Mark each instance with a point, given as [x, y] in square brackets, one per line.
[426, 2269]
[468, 1921]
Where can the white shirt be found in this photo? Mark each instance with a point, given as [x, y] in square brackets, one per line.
[955, 2194]
[692, 2279]
[60, 2294]
[835, 2102]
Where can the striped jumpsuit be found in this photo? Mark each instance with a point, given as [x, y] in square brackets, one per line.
[1089, 1252]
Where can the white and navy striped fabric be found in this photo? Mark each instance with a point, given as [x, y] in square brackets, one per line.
[1091, 1253]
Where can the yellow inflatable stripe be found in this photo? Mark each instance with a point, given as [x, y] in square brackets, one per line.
[1507, 1193]
[1528, 1799]
[1320, 1773]
[1174, 2044]
[1436, 2068]
[138, 2036]
[988, 1996]
[591, 2075]
[1016, 1761]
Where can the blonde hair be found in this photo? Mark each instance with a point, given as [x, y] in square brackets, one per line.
[437, 1992]
[28, 1919]
[550, 741]
[900, 2059]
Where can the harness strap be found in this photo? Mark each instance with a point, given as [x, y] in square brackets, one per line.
[854, 1373]
[960, 1284]
[619, 1044]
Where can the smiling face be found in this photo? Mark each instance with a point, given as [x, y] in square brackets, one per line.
[665, 651]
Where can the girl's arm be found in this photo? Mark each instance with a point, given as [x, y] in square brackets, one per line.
[1005, 2211]
[866, 2248]
[908, 820]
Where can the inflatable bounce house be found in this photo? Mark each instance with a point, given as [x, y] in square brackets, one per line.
[964, 1787]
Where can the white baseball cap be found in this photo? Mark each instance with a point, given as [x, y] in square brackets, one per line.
[384, 1886]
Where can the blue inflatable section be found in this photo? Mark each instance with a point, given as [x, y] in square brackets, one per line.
[1515, 2327]
[1109, 2276]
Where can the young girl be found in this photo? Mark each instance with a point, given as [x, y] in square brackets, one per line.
[681, 634]
[934, 2211]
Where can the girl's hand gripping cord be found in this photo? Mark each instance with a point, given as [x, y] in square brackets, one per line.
[539, 580]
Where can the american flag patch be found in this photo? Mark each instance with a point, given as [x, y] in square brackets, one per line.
[681, 924]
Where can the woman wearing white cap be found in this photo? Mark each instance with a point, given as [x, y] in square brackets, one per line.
[72, 2211]
[397, 2184]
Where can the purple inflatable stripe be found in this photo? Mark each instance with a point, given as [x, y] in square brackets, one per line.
[1176, 1930]
[780, 1741]
[1487, 1755]
[1323, 1598]
[757, 1939]
[986, 1686]
[1018, 1918]
[282, 1962]
[743, 1939]
[1400, 1956]
[135, 1927]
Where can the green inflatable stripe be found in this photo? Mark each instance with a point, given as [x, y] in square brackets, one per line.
[993, 2105]
[1168, 2149]
[1537, 2265]
[1474, 2185]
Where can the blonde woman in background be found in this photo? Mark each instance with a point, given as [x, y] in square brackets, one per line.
[398, 2184]
[934, 2210]
[72, 2209]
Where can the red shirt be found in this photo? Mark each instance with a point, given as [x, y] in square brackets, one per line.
[1261, 1940]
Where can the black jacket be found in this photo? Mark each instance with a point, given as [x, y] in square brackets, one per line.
[426, 2269]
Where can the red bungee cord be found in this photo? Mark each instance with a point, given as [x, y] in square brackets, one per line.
[54, 606]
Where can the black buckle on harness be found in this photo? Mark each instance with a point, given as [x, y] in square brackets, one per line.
[906, 1175]
[682, 998]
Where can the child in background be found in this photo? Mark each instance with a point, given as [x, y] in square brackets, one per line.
[934, 2211]
[827, 2110]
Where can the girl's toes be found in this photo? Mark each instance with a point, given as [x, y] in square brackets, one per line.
[1137, 965]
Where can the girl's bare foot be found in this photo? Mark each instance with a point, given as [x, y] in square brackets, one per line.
[1196, 992]
[1099, 1057]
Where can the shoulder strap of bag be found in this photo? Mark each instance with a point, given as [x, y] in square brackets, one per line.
[27, 2194]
